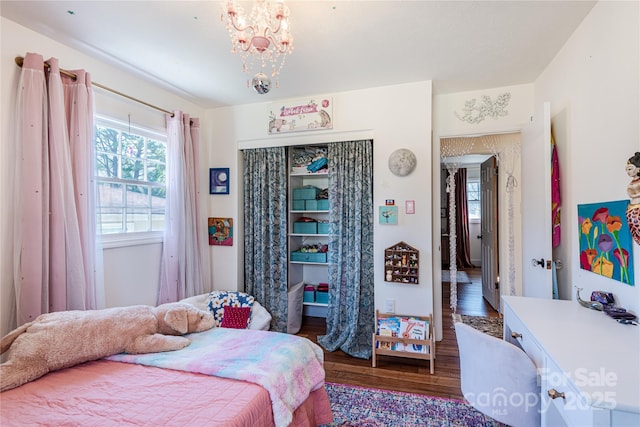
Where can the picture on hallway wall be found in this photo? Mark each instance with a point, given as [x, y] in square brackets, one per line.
[220, 231]
[606, 247]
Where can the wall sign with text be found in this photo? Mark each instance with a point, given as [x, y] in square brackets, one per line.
[300, 116]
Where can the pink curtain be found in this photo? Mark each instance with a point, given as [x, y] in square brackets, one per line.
[54, 226]
[463, 251]
[185, 258]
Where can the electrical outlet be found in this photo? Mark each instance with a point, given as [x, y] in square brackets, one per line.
[390, 306]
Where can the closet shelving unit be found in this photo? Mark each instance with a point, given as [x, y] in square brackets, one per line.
[310, 272]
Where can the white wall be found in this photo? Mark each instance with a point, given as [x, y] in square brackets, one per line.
[131, 273]
[593, 85]
[395, 117]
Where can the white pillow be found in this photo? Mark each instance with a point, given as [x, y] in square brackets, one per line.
[260, 317]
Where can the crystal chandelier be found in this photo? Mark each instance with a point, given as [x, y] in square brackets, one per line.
[261, 38]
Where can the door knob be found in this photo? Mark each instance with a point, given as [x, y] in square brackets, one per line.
[538, 262]
[554, 394]
[478, 237]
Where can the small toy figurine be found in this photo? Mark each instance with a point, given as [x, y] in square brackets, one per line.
[633, 189]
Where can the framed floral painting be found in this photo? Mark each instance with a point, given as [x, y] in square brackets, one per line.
[606, 247]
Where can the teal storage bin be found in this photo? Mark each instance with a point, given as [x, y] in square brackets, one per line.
[322, 297]
[323, 204]
[308, 256]
[305, 193]
[309, 296]
[305, 227]
[299, 205]
[311, 205]
[323, 228]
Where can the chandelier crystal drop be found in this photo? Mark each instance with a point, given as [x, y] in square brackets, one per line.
[262, 38]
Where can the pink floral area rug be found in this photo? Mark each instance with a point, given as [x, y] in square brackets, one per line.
[354, 406]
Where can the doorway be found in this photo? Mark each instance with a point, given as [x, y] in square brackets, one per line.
[497, 241]
[476, 233]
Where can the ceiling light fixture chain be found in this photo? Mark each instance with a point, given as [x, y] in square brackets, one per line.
[263, 37]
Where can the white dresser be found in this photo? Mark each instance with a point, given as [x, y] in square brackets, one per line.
[589, 364]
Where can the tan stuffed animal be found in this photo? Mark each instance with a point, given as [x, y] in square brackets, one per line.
[62, 339]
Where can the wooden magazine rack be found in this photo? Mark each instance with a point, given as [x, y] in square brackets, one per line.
[380, 341]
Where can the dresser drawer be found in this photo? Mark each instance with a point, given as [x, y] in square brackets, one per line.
[516, 333]
[561, 399]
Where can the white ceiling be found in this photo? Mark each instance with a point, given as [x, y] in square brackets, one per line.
[339, 45]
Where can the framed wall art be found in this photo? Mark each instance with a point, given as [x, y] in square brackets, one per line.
[606, 247]
[388, 215]
[219, 181]
[220, 231]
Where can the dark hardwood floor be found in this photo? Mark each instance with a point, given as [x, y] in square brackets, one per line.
[409, 375]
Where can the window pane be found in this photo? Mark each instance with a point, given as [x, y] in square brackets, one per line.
[158, 198]
[137, 220]
[132, 169]
[156, 172]
[473, 191]
[137, 196]
[474, 209]
[110, 194]
[132, 145]
[106, 140]
[107, 165]
[156, 150]
[157, 221]
[110, 220]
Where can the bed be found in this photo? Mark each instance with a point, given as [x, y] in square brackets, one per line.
[225, 377]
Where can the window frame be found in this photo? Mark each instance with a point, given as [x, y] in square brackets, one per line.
[474, 219]
[133, 238]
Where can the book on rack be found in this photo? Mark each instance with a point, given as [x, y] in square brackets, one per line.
[388, 327]
[415, 329]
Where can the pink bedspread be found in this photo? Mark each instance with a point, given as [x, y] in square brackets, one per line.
[106, 393]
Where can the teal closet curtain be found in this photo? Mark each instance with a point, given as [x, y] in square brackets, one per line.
[265, 231]
[350, 314]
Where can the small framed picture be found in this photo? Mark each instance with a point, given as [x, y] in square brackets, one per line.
[218, 180]
[388, 215]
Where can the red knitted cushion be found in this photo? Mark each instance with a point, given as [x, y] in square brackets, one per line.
[236, 317]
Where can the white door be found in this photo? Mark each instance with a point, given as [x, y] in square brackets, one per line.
[489, 227]
[536, 205]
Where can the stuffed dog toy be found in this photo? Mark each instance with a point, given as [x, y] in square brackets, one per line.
[62, 339]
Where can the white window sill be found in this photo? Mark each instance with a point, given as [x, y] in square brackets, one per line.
[121, 240]
[474, 220]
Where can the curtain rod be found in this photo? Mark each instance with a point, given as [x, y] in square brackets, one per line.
[20, 61]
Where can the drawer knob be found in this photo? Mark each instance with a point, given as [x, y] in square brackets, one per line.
[516, 335]
[554, 394]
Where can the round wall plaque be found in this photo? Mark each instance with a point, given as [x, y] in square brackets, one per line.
[402, 162]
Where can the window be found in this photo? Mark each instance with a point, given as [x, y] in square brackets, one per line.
[130, 176]
[473, 199]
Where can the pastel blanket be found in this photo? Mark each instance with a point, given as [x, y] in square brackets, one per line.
[287, 366]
